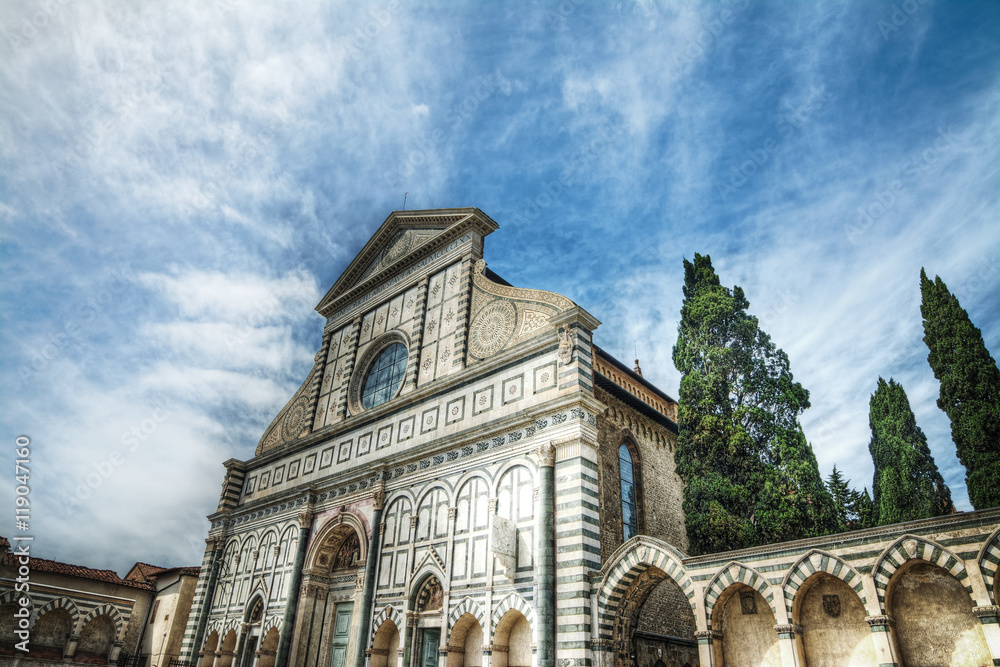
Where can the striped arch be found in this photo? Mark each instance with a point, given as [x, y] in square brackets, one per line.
[737, 573]
[512, 601]
[819, 561]
[62, 603]
[467, 606]
[989, 558]
[390, 613]
[105, 610]
[627, 563]
[270, 621]
[7, 596]
[911, 547]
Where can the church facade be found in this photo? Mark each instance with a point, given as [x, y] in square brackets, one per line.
[465, 478]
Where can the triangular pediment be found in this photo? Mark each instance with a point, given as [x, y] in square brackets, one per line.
[402, 240]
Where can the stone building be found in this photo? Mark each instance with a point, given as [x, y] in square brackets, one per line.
[465, 478]
[85, 616]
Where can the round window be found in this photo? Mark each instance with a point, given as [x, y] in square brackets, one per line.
[384, 376]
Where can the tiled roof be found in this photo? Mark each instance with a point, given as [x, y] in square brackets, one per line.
[55, 567]
[144, 572]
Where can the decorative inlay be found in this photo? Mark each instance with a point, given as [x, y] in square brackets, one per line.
[397, 250]
[295, 420]
[492, 328]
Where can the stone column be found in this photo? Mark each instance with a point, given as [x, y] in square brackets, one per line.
[288, 620]
[546, 572]
[885, 642]
[368, 592]
[706, 646]
[990, 618]
[786, 643]
[69, 649]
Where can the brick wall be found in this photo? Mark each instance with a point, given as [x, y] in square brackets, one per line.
[660, 489]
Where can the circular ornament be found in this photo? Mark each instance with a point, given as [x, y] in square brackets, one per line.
[295, 420]
[492, 328]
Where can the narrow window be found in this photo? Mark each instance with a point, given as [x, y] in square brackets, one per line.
[630, 512]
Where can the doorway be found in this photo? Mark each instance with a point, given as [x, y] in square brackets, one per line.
[430, 639]
[341, 634]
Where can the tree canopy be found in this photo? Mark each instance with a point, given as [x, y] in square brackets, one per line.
[750, 476]
[970, 388]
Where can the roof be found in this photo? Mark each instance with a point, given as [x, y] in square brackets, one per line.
[144, 572]
[55, 567]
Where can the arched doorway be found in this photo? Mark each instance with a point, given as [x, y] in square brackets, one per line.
[428, 606]
[747, 625]
[512, 641]
[328, 604]
[465, 645]
[833, 619]
[934, 620]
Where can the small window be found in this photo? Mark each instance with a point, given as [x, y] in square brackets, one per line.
[384, 376]
[630, 505]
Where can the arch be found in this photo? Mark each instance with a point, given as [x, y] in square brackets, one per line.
[989, 557]
[523, 462]
[512, 639]
[467, 606]
[513, 600]
[385, 643]
[465, 642]
[912, 547]
[813, 562]
[105, 610]
[208, 649]
[97, 637]
[387, 613]
[227, 650]
[441, 484]
[733, 574]
[472, 474]
[49, 633]
[935, 622]
[626, 564]
[331, 536]
[832, 616]
[268, 648]
[62, 603]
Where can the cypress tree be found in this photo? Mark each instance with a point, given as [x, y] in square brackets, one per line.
[907, 484]
[970, 388]
[750, 475]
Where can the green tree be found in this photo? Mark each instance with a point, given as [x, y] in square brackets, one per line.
[853, 509]
[970, 388]
[750, 475]
[907, 484]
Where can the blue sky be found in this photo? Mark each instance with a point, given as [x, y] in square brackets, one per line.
[182, 181]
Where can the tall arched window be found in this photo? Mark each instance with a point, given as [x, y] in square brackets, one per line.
[630, 502]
